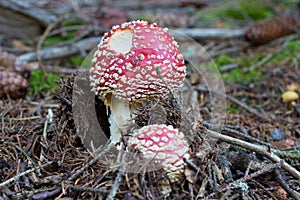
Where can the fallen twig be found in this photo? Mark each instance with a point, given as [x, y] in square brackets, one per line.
[63, 51]
[237, 182]
[90, 163]
[89, 43]
[270, 194]
[236, 101]
[25, 8]
[237, 133]
[117, 181]
[61, 70]
[15, 178]
[285, 186]
[39, 46]
[267, 168]
[256, 148]
[86, 189]
[270, 55]
[206, 33]
[20, 149]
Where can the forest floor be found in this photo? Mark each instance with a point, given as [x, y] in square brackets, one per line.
[43, 156]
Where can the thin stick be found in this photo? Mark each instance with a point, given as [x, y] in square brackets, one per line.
[39, 46]
[244, 179]
[56, 52]
[265, 189]
[271, 55]
[90, 163]
[283, 154]
[285, 186]
[15, 178]
[117, 181]
[236, 101]
[3, 119]
[86, 189]
[20, 149]
[28, 9]
[256, 148]
[226, 128]
[207, 33]
[24, 118]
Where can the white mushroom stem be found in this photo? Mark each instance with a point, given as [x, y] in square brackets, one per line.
[121, 115]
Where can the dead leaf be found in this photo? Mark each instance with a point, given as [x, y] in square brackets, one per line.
[283, 143]
[21, 46]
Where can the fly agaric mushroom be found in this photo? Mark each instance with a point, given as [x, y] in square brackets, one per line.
[134, 62]
[164, 145]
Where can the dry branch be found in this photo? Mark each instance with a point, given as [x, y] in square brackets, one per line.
[63, 51]
[256, 148]
[89, 43]
[237, 102]
[21, 19]
[117, 181]
[30, 10]
[207, 33]
[15, 178]
[90, 163]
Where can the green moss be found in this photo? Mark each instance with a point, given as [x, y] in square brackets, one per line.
[39, 83]
[145, 16]
[224, 60]
[293, 46]
[257, 9]
[238, 10]
[239, 74]
[71, 23]
[76, 60]
[290, 51]
[56, 39]
[232, 110]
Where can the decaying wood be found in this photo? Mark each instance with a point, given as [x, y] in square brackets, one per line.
[13, 24]
[207, 33]
[23, 20]
[29, 10]
[63, 51]
[89, 43]
[256, 148]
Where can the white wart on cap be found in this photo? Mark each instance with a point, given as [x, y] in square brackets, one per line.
[135, 61]
[164, 145]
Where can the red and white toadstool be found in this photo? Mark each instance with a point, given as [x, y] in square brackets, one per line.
[134, 62]
[163, 144]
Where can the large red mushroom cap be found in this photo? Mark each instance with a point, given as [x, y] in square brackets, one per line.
[135, 61]
[163, 144]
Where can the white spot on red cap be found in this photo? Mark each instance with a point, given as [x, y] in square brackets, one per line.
[162, 144]
[115, 55]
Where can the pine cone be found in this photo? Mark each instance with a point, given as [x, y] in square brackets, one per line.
[268, 30]
[10, 62]
[13, 85]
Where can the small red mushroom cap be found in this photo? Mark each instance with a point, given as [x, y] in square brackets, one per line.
[137, 60]
[163, 144]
